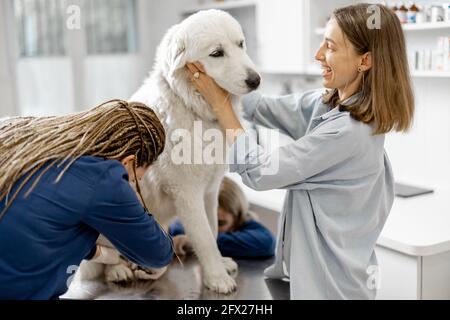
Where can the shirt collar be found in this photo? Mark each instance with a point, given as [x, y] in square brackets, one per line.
[352, 98]
[336, 110]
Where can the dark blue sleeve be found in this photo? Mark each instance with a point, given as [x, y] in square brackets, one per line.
[176, 228]
[116, 212]
[253, 240]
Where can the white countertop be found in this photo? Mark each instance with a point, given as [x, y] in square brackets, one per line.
[417, 226]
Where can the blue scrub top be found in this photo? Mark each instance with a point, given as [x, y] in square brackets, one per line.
[44, 238]
[340, 189]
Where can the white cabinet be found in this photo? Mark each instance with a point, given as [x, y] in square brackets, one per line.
[399, 275]
[405, 277]
[282, 35]
[436, 276]
[276, 31]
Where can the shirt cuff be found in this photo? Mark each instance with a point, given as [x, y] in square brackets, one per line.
[91, 254]
[242, 151]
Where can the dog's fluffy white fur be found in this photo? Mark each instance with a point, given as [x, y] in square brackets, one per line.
[191, 191]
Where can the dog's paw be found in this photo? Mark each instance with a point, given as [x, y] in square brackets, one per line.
[149, 274]
[89, 270]
[118, 273]
[221, 283]
[229, 264]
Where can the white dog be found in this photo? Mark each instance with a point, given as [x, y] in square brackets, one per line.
[190, 191]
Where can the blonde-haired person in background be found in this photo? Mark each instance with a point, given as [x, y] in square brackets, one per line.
[63, 181]
[240, 234]
[339, 182]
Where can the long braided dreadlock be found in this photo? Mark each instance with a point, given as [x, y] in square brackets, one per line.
[113, 130]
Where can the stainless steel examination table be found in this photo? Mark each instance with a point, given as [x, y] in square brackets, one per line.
[185, 282]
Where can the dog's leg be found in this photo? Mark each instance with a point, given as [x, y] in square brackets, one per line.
[120, 272]
[191, 211]
[89, 270]
[211, 207]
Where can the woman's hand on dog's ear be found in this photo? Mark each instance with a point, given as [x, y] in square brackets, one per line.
[216, 97]
[199, 66]
[219, 100]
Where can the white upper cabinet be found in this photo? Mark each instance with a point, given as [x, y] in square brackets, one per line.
[277, 31]
[282, 27]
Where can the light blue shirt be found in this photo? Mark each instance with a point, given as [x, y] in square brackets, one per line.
[340, 189]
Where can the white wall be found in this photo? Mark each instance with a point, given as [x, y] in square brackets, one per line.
[45, 86]
[8, 106]
[156, 17]
[119, 76]
[422, 156]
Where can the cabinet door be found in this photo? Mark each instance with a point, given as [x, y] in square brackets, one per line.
[282, 29]
[436, 277]
[399, 275]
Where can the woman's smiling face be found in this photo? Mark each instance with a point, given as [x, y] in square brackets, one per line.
[339, 61]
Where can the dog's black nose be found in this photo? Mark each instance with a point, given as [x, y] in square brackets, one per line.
[253, 81]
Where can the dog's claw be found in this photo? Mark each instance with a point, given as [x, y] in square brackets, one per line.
[229, 264]
[118, 273]
[222, 283]
[149, 274]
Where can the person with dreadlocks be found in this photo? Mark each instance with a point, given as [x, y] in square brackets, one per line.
[65, 180]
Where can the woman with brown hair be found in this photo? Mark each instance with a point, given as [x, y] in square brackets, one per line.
[338, 178]
[47, 228]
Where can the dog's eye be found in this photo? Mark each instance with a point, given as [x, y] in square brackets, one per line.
[241, 44]
[217, 54]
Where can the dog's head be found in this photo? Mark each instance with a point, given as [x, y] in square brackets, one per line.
[215, 39]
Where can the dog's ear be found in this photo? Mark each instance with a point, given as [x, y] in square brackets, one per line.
[176, 53]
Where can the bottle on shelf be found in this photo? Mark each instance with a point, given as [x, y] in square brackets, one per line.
[434, 60]
[412, 13]
[446, 53]
[437, 13]
[394, 8]
[446, 12]
[421, 16]
[441, 59]
[402, 12]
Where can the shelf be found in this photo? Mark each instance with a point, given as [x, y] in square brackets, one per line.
[409, 27]
[427, 26]
[430, 74]
[307, 73]
[223, 5]
[318, 73]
